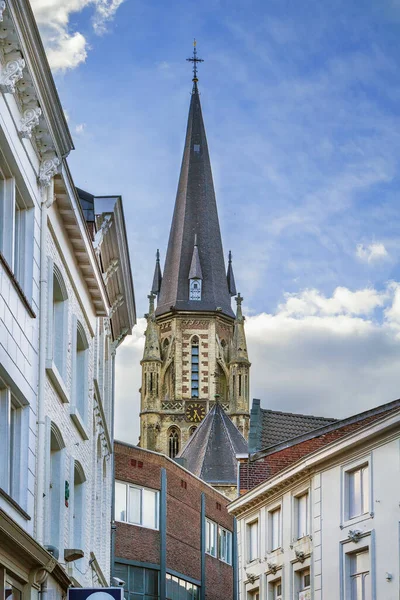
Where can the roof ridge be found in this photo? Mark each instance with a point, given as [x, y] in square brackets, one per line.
[281, 412]
[337, 424]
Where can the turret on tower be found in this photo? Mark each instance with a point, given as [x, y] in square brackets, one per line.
[199, 337]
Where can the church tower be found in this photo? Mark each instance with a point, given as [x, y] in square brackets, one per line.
[195, 352]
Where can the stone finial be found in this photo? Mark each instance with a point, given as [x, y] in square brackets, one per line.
[157, 278]
[230, 276]
[11, 74]
[239, 345]
[152, 344]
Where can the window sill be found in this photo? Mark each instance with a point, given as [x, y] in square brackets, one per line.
[78, 421]
[15, 504]
[17, 287]
[137, 525]
[355, 520]
[57, 381]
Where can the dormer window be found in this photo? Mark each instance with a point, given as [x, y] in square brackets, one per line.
[195, 289]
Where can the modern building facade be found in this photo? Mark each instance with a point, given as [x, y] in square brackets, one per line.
[66, 302]
[174, 536]
[319, 514]
[195, 352]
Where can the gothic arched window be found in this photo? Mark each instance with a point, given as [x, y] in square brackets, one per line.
[173, 442]
[192, 430]
[195, 368]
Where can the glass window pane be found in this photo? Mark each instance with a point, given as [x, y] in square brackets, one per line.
[355, 493]
[134, 505]
[149, 509]
[151, 579]
[365, 489]
[136, 580]
[120, 501]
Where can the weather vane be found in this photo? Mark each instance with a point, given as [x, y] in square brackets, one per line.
[195, 60]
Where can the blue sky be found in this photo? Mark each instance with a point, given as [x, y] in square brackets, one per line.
[301, 107]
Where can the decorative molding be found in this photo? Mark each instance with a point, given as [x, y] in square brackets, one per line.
[251, 577]
[11, 74]
[171, 405]
[107, 326]
[48, 169]
[272, 567]
[2, 9]
[111, 269]
[98, 238]
[300, 555]
[119, 300]
[354, 535]
[29, 121]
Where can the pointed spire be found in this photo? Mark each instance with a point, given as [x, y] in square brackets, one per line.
[195, 211]
[239, 345]
[195, 266]
[152, 344]
[230, 277]
[157, 279]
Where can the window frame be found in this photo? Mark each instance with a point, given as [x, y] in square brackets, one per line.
[270, 522]
[348, 548]
[17, 222]
[296, 513]
[212, 550]
[228, 544]
[346, 471]
[142, 489]
[249, 555]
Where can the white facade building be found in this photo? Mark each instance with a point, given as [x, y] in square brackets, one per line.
[327, 526]
[66, 302]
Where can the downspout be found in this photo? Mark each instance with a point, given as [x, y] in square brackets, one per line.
[47, 201]
[113, 526]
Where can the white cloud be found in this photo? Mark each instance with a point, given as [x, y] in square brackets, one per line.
[80, 128]
[326, 356]
[67, 49]
[371, 253]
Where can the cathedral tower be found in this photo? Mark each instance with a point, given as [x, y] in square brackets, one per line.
[195, 353]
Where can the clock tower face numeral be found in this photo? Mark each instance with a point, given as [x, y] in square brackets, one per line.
[195, 412]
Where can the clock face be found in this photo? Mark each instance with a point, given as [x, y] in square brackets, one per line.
[195, 412]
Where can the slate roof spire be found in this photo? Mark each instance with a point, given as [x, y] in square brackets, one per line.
[195, 266]
[195, 213]
[157, 279]
[210, 452]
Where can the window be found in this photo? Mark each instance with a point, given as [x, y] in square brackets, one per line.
[173, 442]
[13, 445]
[253, 595]
[357, 491]
[277, 590]
[360, 585]
[81, 372]
[136, 505]
[304, 583]
[79, 505]
[140, 583]
[192, 430]
[16, 233]
[225, 545]
[252, 541]
[274, 520]
[301, 516]
[179, 588]
[56, 487]
[195, 368]
[211, 538]
[195, 289]
[59, 322]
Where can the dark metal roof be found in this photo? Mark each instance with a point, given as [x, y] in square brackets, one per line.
[195, 213]
[271, 427]
[157, 278]
[211, 450]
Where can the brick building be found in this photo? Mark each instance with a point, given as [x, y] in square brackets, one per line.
[174, 536]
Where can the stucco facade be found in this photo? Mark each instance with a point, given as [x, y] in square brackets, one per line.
[304, 531]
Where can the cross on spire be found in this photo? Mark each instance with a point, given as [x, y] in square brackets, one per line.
[194, 60]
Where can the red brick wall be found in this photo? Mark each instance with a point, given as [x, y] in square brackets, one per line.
[137, 466]
[254, 473]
